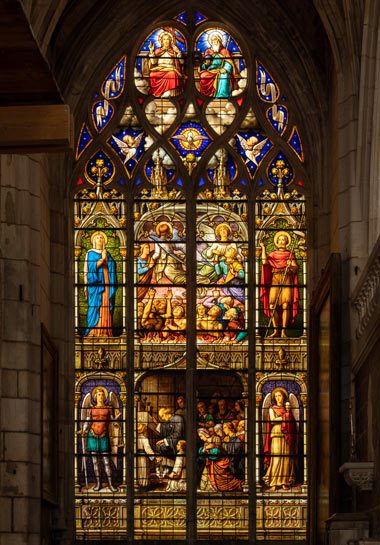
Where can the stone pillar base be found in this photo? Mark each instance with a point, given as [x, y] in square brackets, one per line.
[347, 528]
[371, 541]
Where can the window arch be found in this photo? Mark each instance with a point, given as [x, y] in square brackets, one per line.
[190, 270]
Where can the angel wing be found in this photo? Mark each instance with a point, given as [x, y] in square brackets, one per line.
[138, 140]
[205, 232]
[243, 142]
[295, 408]
[259, 146]
[127, 151]
[84, 424]
[265, 409]
[115, 429]
[85, 409]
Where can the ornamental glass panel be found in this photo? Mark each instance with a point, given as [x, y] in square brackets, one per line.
[190, 266]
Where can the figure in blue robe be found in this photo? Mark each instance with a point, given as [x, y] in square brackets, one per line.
[100, 280]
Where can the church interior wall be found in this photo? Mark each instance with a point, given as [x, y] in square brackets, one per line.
[373, 446]
[25, 286]
[35, 287]
[366, 445]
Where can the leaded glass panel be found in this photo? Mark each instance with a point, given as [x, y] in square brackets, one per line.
[190, 264]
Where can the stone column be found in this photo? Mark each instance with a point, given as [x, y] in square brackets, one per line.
[21, 266]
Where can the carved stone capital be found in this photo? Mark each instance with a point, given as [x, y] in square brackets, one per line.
[359, 474]
[367, 293]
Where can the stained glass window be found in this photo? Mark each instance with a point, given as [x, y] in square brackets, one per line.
[190, 244]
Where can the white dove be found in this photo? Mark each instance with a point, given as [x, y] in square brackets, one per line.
[128, 145]
[189, 138]
[252, 147]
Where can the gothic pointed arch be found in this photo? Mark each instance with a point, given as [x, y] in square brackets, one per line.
[190, 244]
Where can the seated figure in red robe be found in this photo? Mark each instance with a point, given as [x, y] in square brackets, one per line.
[165, 68]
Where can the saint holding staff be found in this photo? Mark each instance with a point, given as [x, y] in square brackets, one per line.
[218, 73]
[279, 284]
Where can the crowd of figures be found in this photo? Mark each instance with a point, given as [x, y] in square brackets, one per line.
[161, 446]
[162, 318]
[221, 444]
[161, 273]
[161, 269]
[220, 318]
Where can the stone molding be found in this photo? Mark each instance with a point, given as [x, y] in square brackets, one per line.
[366, 296]
[359, 474]
[365, 542]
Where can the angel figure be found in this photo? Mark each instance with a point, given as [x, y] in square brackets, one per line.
[128, 145]
[101, 433]
[169, 254]
[219, 243]
[268, 89]
[281, 426]
[252, 147]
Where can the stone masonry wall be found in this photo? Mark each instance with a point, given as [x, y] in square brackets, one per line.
[33, 265]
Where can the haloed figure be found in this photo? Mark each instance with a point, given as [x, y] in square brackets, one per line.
[100, 287]
[217, 72]
[279, 284]
[99, 417]
[165, 67]
[280, 446]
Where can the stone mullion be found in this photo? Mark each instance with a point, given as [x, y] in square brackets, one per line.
[251, 421]
[191, 340]
[191, 366]
[129, 326]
